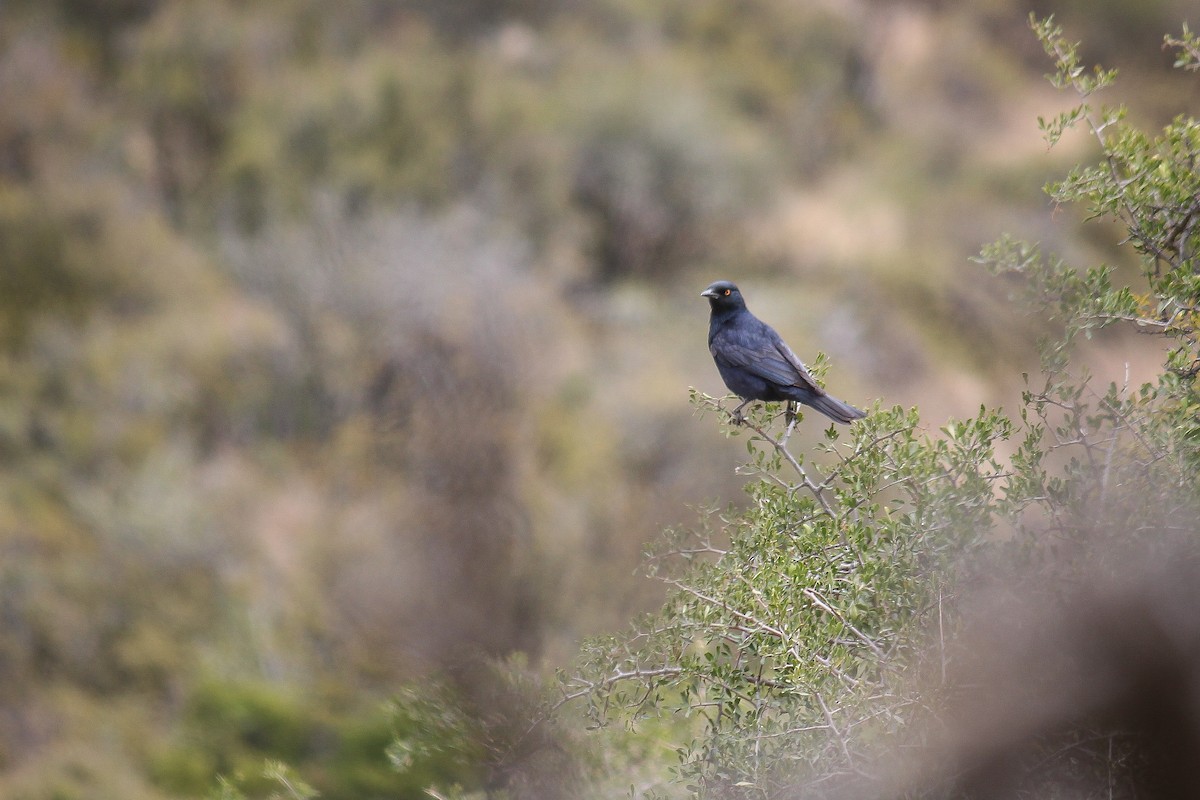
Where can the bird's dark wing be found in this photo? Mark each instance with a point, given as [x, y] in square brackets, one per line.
[801, 377]
[758, 349]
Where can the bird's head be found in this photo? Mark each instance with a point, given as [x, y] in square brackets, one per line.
[724, 296]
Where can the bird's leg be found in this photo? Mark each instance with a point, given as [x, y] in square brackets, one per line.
[738, 419]
[789, 414]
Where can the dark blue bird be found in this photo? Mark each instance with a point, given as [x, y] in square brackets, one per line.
[755, 363]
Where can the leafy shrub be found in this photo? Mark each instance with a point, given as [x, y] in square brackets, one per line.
[815, 630]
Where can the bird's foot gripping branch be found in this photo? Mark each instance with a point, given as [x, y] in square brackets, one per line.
[747, 413]
[737, 416]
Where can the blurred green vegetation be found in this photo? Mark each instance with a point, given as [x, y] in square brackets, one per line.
[231, 729]
[342, 346]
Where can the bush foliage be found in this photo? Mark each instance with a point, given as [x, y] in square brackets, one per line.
[805, 635]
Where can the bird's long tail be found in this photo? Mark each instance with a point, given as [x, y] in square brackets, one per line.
[835, 409]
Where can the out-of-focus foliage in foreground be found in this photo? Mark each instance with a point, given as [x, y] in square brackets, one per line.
[345, 345]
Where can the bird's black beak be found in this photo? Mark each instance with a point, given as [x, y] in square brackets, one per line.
[709, 293]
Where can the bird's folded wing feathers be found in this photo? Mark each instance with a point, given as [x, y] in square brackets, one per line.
[769, 358]
[802, 378]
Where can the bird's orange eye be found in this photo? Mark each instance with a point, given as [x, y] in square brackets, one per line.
[727, 293]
